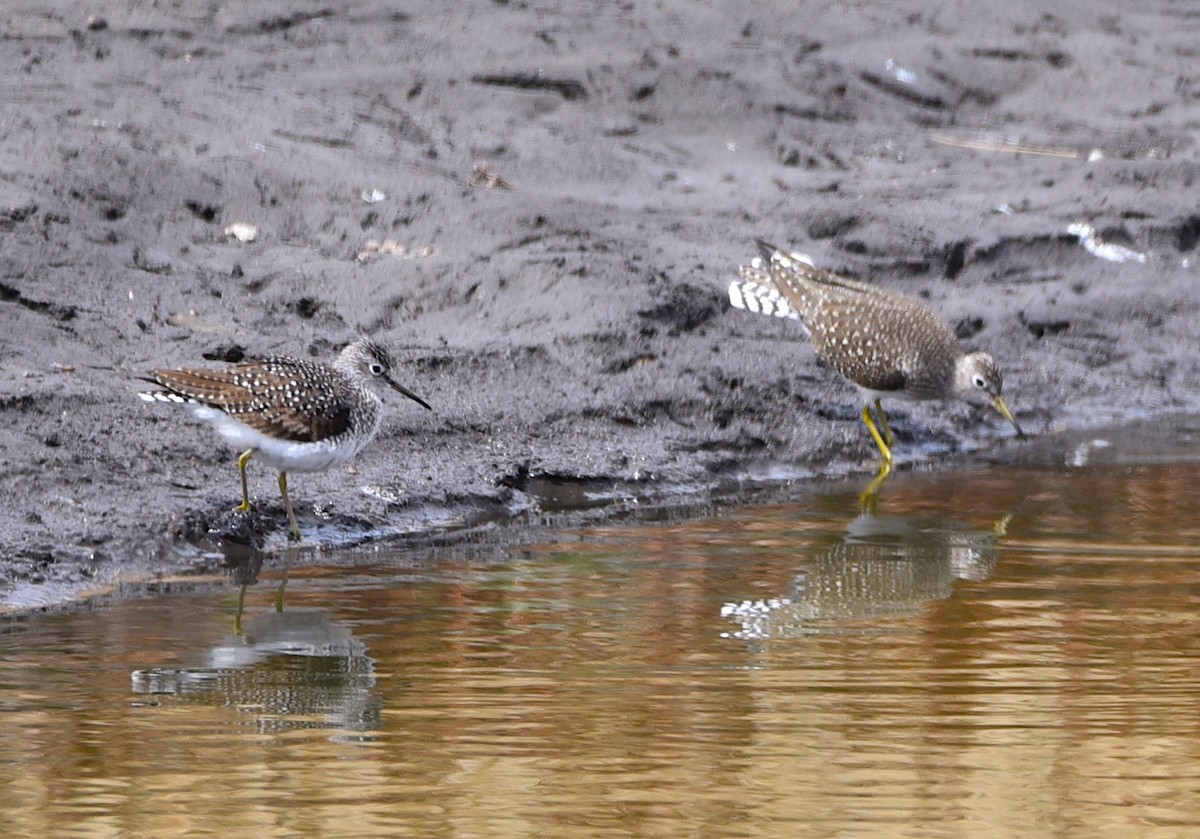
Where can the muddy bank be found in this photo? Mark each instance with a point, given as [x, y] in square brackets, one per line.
[540, 210]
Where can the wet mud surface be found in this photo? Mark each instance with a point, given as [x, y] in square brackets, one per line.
[540, 209]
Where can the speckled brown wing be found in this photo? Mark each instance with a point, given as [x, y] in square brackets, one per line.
[276, 397]
[869, 335]
[810, 288]
[841, 342]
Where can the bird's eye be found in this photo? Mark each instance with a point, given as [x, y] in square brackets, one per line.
[376, 368]
[979, 382]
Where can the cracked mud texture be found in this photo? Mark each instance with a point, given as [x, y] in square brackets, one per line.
[557, 201]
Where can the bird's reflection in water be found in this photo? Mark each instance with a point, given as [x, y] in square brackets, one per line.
[884, 566]
[243, 564]
[289, 668]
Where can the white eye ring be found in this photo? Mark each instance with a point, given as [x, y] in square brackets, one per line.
[376, 368]
[979, 382]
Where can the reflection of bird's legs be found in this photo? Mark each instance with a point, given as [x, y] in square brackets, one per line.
[1000, 528]
[237, 617]
[868, 502]
[291, 555]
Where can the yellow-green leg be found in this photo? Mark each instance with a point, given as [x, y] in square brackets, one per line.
[287, 502]
[243, 459]
[887, 432]
[879, 441]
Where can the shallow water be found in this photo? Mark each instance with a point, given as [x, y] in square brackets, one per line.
[1012, 651]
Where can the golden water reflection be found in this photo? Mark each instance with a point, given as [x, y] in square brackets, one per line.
[999, 653]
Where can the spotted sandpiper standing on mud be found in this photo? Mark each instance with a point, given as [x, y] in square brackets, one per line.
[885, 343]
[297, 415]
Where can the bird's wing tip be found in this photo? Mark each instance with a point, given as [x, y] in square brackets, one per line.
[765, 248]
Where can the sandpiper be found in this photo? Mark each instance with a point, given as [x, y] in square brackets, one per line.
[887, 344]
[297, 415]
